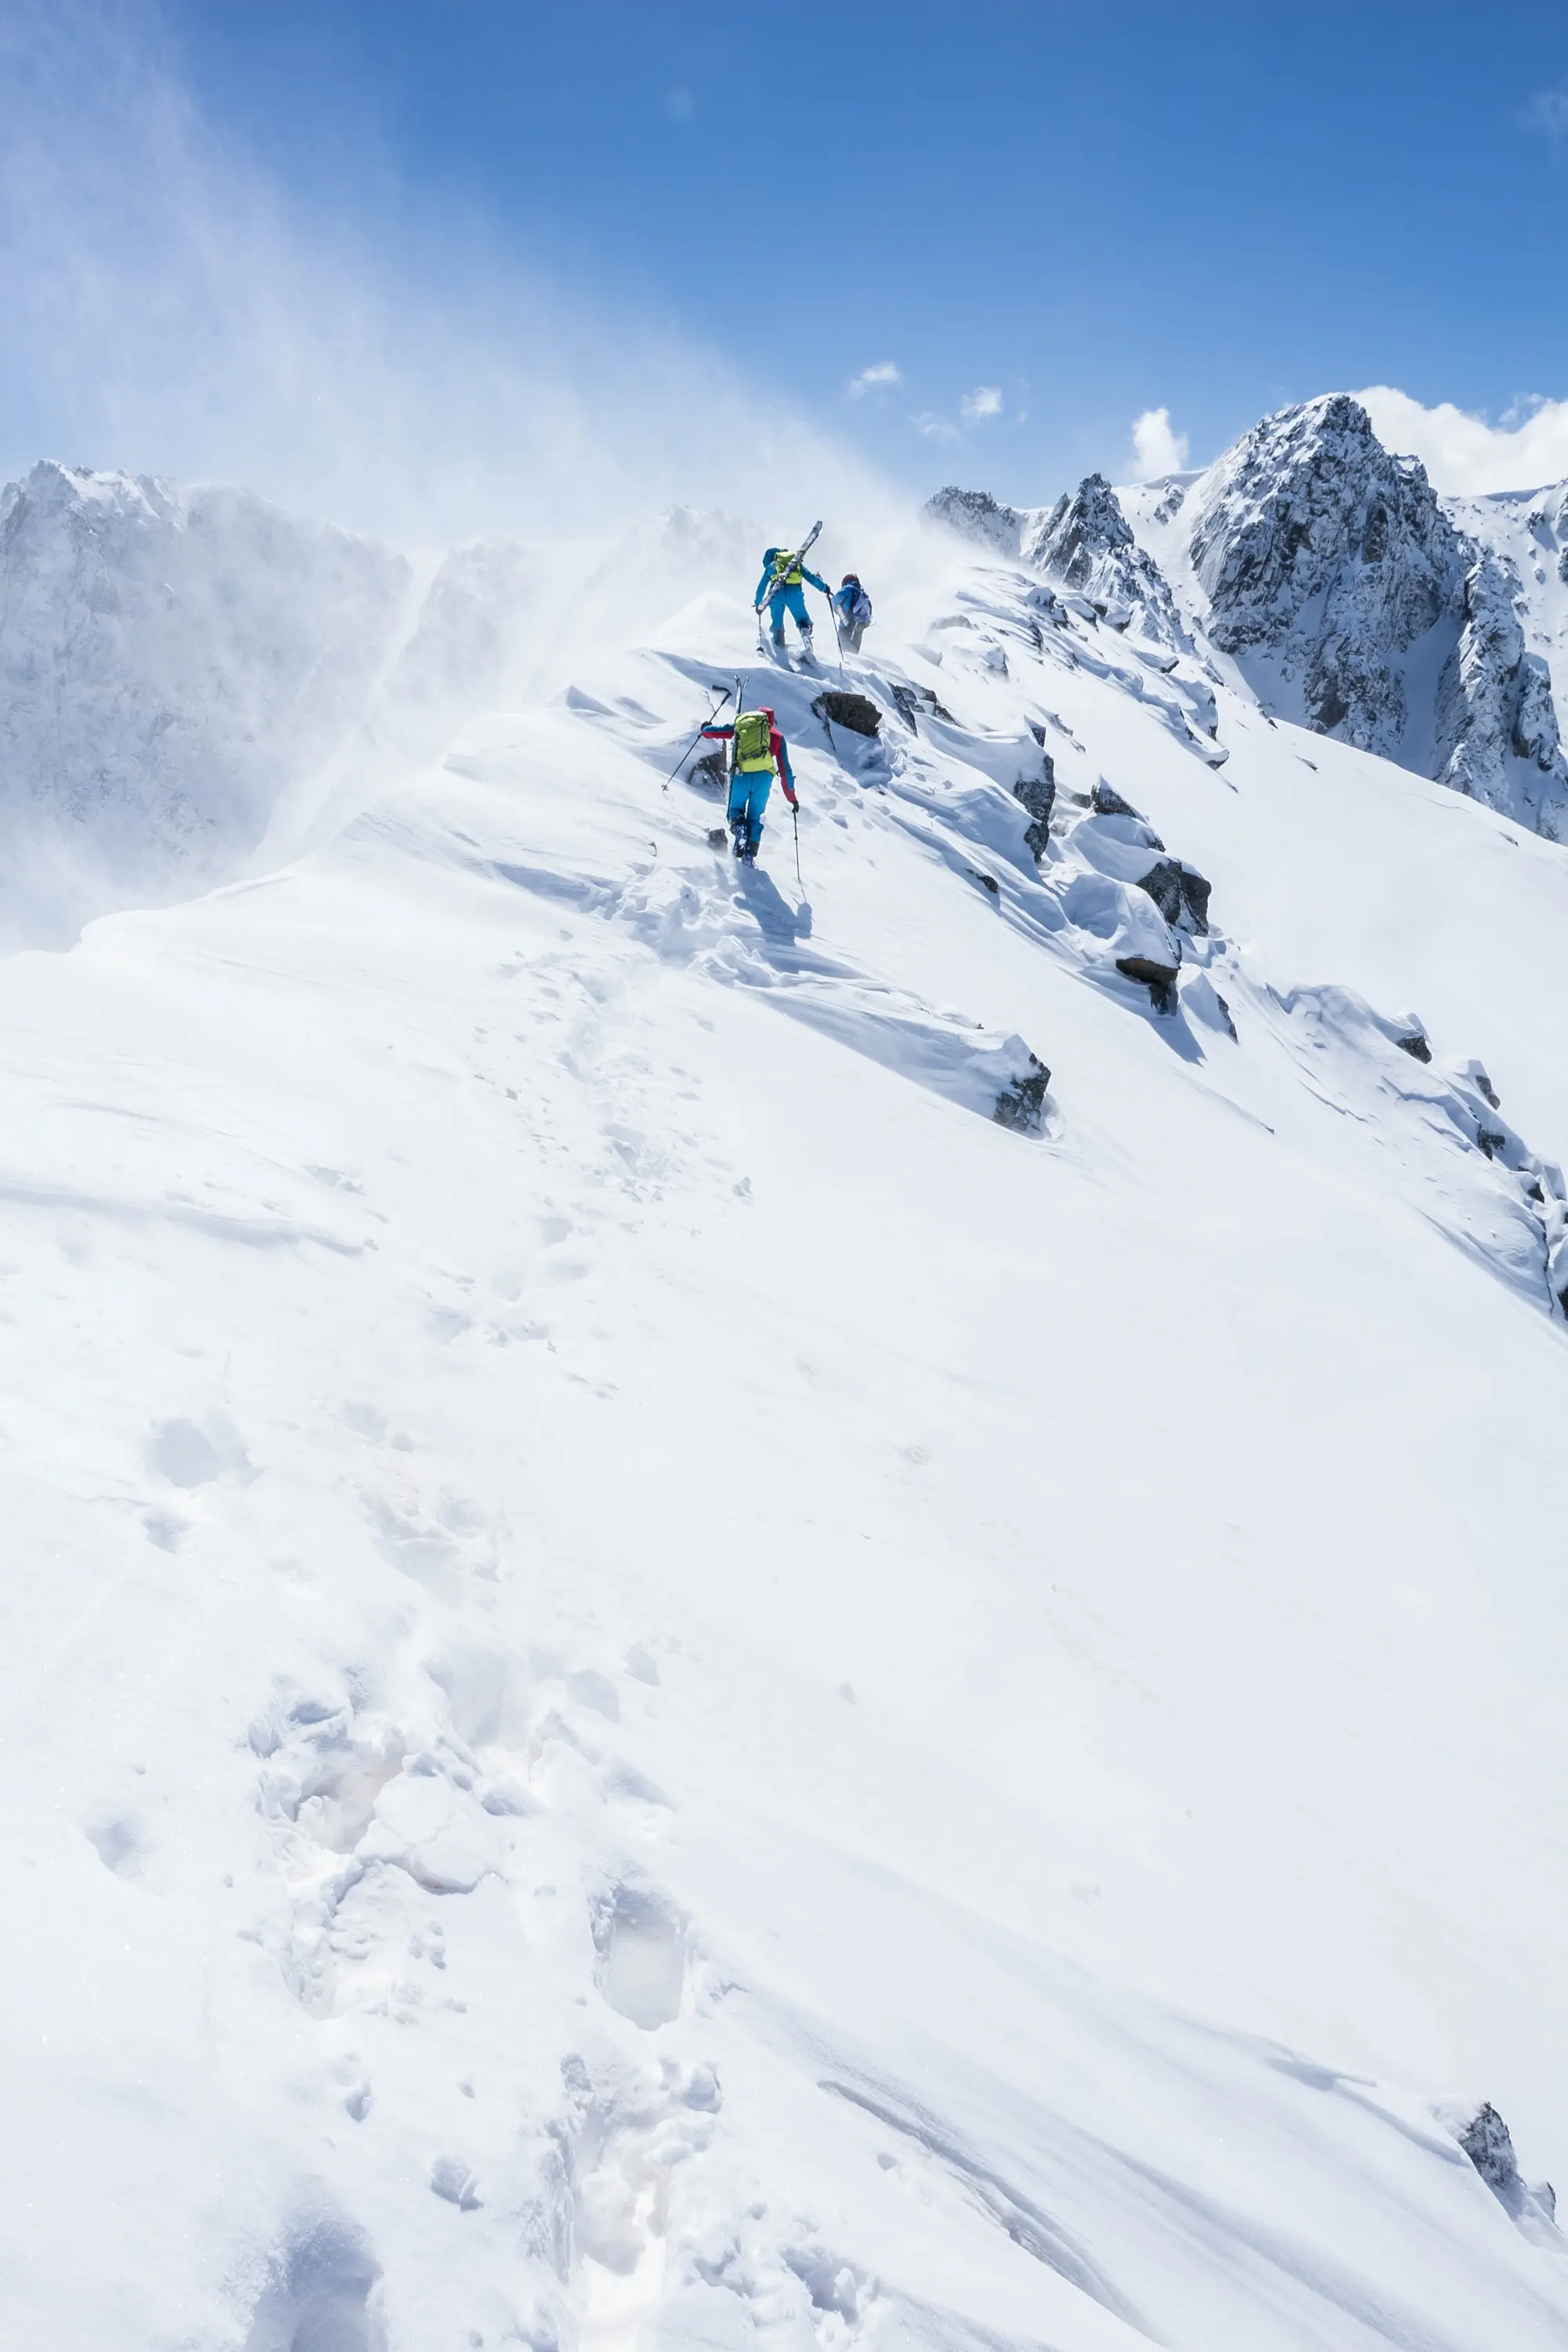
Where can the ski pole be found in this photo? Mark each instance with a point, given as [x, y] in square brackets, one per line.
[697, 739]
[798, 874]
[837, 639]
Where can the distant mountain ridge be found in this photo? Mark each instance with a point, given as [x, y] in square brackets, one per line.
[1346, 593]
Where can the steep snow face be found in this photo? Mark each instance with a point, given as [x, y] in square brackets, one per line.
[1337, 580]
[170, 658]
[1085, 542]
[667, 1682]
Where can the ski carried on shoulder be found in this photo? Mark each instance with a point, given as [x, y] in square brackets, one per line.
[801, 552]
[804, 550]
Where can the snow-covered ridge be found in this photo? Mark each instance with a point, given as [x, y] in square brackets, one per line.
[687, 1665]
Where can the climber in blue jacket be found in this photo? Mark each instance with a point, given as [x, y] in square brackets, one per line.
[852, 610]
[783, 588]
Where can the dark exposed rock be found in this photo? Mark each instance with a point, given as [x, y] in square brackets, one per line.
[1038, 795]
[975, 514]
[913, 699]
[1491, 1144]
[1181, 893]
[856, 711]
[1415, 1046]
[712, 770]
[1488, 2142]
[1159, 979]
[1107, 802]
[1322, 552]
[717, 838]
[1021, 1105]
[1494, 702]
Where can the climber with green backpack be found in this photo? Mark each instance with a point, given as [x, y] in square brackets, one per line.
[760, 753]
[782, 588]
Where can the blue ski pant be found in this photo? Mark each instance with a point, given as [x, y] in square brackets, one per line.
[748, 799]
[793, 602]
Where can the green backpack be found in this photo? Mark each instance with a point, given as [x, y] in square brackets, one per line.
[754, 739]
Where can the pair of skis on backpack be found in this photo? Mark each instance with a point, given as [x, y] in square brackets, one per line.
[775, 647]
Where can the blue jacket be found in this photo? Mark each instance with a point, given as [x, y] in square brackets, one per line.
[770, 583]
[852, 604]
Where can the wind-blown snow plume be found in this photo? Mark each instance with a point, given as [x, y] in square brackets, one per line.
[170, 308]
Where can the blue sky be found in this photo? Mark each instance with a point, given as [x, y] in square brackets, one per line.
[436, 267]
[1078, 213]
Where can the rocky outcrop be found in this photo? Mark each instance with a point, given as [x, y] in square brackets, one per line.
[1181, 893]
[856, 711]
[1084, 542]
[1496, 730]
[1488, 2142]
[1021, 1105]
[1159, 979]
[1038, 797]
[977, 515]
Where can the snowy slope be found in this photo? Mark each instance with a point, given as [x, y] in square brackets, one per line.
[663, 1688]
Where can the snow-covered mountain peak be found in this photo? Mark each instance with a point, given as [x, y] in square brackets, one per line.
[977, 515]
[1085, 542]
[1308, 527]
[1355, 601]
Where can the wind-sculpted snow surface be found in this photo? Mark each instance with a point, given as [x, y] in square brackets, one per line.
[661, 1685]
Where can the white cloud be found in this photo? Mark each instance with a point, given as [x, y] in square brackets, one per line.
[1466, 454]
[1157, 450]
[1548, 112]
[871, 379]
[985, 401]
[938, 428]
